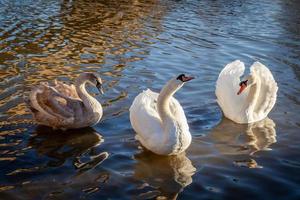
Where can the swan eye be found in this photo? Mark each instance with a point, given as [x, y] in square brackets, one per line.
[181, 77]
[243, 83]
[98, 83]
[184, 78]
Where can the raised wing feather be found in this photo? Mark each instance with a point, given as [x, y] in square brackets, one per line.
[49, 98]
[50, 107]
[67, 90]
[143, 115]
[178, 113]
[268, 91]
[227, 87]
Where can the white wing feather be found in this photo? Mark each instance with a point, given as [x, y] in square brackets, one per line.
[145, 119]
[268, 90]
[143, 115]
[227, 87]
[234, 106]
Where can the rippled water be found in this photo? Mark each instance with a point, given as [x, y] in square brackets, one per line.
[135, 45]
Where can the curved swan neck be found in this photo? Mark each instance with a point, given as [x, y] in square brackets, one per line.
[163, 100]
[87, 99]
[253, 94]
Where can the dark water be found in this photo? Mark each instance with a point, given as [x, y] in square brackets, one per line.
[137, 45]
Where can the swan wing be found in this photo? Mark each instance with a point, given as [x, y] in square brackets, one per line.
[146, 121]
[67, 90]
[49, 107]
[268, 91]
[226, 90]
[144, 117]
[178, 113]
[37, 105]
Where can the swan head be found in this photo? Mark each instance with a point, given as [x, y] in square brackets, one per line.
[93, 79]
[177, 82]
[184, 78]
[246, 82]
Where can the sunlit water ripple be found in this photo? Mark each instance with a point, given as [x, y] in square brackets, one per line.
[135, 45]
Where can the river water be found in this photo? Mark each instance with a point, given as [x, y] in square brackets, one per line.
[139, 44]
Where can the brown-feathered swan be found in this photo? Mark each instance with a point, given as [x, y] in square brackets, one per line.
[63, 106]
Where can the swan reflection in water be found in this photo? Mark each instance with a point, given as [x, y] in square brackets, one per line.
[167, 174]
[57, 149]
[77, 144]
[236, 139]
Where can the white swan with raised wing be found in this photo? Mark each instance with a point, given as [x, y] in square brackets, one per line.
[63, 106]
[159, 119]
[249, 100]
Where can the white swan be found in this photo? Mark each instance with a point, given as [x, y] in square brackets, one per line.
[253, 100]
[64, 106]
[159, 120]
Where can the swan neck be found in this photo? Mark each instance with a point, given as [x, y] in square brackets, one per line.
[163, 102]
[86, 98]
[253, 95]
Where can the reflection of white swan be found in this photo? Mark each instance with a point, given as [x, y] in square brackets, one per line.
[66, 106]
[236, 139]
[159, 119]
[168, 173]
[256, 96]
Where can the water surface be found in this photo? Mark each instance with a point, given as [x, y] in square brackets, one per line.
[141, 44]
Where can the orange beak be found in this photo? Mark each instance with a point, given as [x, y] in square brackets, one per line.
[242, 87]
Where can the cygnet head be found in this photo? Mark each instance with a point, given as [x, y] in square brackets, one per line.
[93, 79]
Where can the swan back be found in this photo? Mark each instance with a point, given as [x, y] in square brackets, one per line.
[66, 90]
[48, 108]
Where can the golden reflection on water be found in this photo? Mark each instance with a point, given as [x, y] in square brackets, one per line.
[169, 175]
[83, 40]
[74, 41]
[61, 39]
[74, 36]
